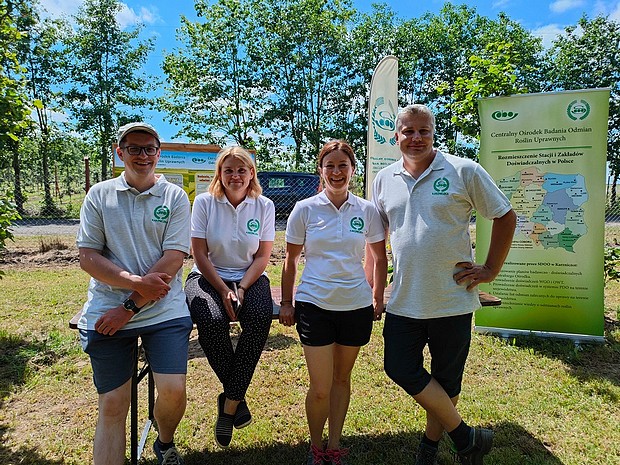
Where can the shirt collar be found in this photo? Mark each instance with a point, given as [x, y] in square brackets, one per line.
[324, 200]
[156, 190]
[438, 163]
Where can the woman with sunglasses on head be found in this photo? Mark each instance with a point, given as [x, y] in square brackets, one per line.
[232, 229]
[334, 304]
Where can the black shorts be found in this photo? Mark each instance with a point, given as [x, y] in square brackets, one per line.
[320, 327]
[448, 342]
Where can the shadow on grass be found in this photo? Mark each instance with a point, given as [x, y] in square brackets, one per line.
[274, 343]
[22, 455]
[586, 361]
[513, 445]
[18, 358]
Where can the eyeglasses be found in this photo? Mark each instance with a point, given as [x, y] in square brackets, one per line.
[149, 151]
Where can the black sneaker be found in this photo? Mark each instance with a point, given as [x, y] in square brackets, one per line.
[243, 417]
[427, 455]
[170, 456]
[223, 424]
[480, 443]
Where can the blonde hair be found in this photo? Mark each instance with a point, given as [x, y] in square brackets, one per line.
[217, 189]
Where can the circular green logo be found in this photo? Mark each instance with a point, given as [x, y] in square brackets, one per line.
[253, 225]
[161, 213]
[441, 185]
[578, 110]
[357, 223]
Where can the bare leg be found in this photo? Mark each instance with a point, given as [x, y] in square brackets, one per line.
[438, 406]
[170, 404]
[340, 395]
[434, 430]
[320, 362]
[109, 447]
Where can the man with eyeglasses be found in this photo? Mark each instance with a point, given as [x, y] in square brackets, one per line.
[133, 238]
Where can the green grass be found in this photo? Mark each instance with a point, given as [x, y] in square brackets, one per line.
[549, 402]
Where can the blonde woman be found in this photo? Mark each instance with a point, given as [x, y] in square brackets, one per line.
[232, 229]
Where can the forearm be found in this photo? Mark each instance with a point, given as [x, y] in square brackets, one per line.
[104, 270]
[502, 233]
[369, 266]
[289, 273]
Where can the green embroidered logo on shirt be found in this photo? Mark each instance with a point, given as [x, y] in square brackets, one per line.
[253, 226]
[161, 214]
[441, 185]
[357, 225]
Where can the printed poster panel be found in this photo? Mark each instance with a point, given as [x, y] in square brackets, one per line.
[547, 152]
[190, 166]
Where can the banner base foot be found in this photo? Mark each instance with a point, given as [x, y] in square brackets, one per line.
[506, 333]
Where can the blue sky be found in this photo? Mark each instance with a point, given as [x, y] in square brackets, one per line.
[161, 18]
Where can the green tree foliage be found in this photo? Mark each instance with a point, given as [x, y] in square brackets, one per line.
[436, 58]
[213, 89]
[301, 47]
[493, 74]
[14, 104]
[588, 56]
[103, 64]
[43, 60]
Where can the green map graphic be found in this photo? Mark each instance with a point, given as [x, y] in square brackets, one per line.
[549, 207]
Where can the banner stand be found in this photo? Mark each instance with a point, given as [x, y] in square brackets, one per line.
[506, 333]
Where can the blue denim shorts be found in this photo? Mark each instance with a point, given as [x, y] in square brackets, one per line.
[112, 357]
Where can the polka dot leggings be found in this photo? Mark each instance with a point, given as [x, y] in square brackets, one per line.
[233, 367]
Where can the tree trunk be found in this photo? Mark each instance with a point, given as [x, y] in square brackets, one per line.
[17, 186]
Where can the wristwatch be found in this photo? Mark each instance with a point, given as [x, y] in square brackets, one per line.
[131, 306]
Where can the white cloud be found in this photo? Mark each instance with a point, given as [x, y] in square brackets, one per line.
[610, 9]
[548, 33]
[615, 14]
[126, 17]
[57, 8]
[560, 6]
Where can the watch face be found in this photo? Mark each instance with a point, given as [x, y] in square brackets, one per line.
[131, 305]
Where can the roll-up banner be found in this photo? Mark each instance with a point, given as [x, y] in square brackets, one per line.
[547, 152]
[382, 111]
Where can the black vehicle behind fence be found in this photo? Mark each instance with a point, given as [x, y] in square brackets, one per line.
[286, 188]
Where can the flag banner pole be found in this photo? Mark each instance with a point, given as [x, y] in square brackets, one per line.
[382, 111]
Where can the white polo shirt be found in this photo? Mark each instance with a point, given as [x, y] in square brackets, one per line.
[428, 223]
[334, 242]
[132, 229]
[232, 234]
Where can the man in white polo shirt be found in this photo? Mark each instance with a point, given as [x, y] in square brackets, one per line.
[425, 200]
[133, 237]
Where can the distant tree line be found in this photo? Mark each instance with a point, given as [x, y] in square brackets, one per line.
[276, 76]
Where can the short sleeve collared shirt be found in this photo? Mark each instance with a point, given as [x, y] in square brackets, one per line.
[233, 235]
[132, 229]
[334, 242]
[428, 222]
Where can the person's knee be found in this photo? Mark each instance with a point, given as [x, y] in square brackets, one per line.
[412, 381]
[319, 393]
[114, 404]
[171, 388]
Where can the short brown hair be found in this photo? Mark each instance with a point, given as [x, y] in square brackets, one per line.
[217, 189]
[334, 146]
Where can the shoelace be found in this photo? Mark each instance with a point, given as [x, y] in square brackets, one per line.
[172, 457]
[335, 455]
[318, 455]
